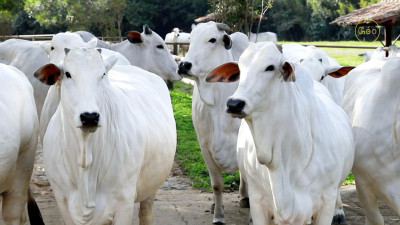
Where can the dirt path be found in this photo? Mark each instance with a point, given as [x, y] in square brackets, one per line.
[177, 203]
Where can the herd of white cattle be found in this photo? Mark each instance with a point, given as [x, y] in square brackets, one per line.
[290, 118]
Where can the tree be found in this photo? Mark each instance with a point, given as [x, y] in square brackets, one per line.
[239, 15]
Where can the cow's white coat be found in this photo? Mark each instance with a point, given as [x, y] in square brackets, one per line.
[27, 56]
[216, 131]
[372, 101]
[18, 141]
[97, 177]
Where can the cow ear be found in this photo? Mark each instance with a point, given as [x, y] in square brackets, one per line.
[227, 42]
[48, 74]
[134, 37]
[338, 72]
[109, 62]
[288, 72]
[228, 72]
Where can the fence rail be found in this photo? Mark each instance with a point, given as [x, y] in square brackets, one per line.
[48, 37]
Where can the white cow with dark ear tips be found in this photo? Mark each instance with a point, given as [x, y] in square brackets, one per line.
[216, 131]
[114, 132]
[295, 145]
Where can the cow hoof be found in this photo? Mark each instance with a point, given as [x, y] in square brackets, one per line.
[338, 219]
[244, 203]
[219, 223]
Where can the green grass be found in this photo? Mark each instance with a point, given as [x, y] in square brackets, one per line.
[188, 152]
[345, 56]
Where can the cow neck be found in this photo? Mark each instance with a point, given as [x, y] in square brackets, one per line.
[282, 144]
[91, 153]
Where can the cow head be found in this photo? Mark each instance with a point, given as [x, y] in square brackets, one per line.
[209, 47]
[69, 40]
[83, 79]
[148, 51]
[261, 70]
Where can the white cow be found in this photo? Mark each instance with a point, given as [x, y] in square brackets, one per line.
[59, 42]
[18, 140]
[27, 57]
[295, 145]
[111, 141]
[372, 99]
[320, 65]
[263, 36]
[180, 37]
[172, 37]
[216, 132]
[148, 51]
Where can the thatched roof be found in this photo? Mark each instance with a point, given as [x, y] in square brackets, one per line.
[386, 11]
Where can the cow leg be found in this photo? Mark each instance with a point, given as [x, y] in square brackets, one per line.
[325, 214]
[124, 213]
[14, 207]
[370, 204]
[146, 211]
[338, 217]
[217, 184]
[243, 192]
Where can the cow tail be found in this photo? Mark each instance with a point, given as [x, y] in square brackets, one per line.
[35, 217]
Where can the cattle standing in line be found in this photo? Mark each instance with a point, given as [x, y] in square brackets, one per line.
[372, 100]
[111, 141]
[18, 140]
[27, 56]
[295, 144]
[216, 131]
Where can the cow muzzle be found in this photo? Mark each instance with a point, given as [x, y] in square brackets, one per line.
[184, 67]
[90, 121]
[235, 108]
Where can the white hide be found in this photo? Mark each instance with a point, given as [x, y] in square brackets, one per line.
[319, 64]
[151, 54]
[216, 131]
[96, 177]
[295, 146]
[18, 141]
[27, 57]
[372, 101]
[263, 36]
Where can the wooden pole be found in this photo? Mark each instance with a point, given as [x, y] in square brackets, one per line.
[388, 37]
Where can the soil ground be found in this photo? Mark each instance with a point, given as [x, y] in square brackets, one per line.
[178, 203]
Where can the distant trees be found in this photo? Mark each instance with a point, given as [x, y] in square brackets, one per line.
[290, 19]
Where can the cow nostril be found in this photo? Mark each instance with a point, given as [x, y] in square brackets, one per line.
[187, 65]
[235, 106]
[89, 119]
[184, 67]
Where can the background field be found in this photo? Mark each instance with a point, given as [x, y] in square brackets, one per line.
[188, 151]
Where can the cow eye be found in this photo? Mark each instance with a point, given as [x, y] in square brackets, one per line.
[52, 48]
[270, 68]
[212, 40]
[68, 75]
[160, 46]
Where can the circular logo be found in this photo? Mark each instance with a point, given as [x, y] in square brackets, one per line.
[367, 30]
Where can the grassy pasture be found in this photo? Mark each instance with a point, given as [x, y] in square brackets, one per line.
[188, 151]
